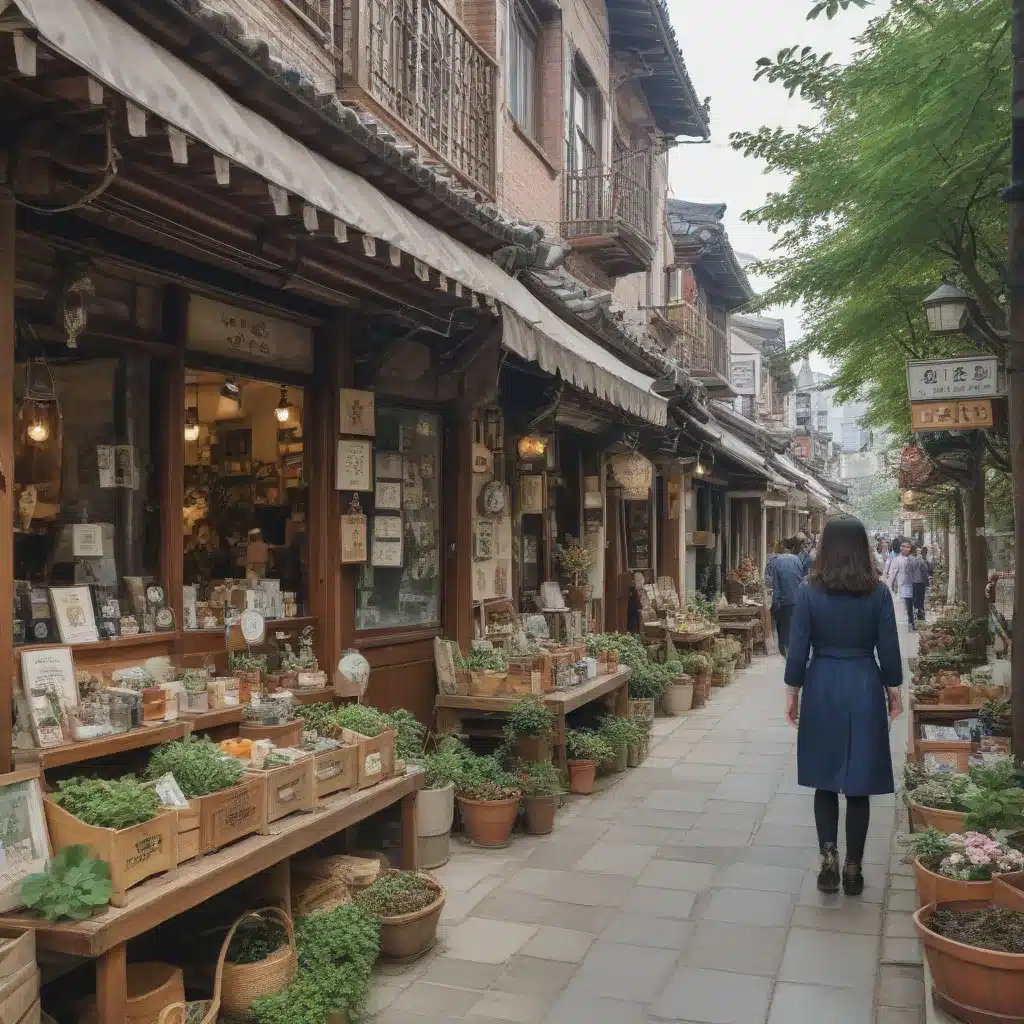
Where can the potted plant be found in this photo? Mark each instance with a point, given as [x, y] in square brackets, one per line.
[646, 687]
[958, 867]
[530, 724]
[249, 669]
[985, 798]
[261, 959]
[678, 696]
[543, 787]
[698, 667]
[586, 751]
[975, 951]
[637, 749]
[372, 730]
[722, 668]
[618, 733]
[194, 681]
[576, 561]
[410, 734]
[408, 905]
[488, 798]
[435, 803]
[488, 671]
[995, 716]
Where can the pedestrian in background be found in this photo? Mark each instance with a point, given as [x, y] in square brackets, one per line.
[920, 574]
[900, 576]
[769, 581]
[787, 573]
[839, 697]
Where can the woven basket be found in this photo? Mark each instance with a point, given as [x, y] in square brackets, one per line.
[242, 983]
[151, 988]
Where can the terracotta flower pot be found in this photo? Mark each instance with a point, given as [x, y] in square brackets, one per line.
[1010, 889]
[581, 776]
[540, 814]
[977, 985]
[679, 697]
[489, 821]
[950, 822]
[935, 888]
[408, 936]
[533, 748]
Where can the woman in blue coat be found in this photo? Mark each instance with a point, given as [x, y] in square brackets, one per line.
[841, 697]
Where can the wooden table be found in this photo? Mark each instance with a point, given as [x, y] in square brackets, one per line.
[613, 686]
[756, 613]
[745, 630]
[698, 640]
[105, 936]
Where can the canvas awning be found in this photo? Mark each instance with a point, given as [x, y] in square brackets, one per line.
[123, 59]
[736, 449]
[814, 490]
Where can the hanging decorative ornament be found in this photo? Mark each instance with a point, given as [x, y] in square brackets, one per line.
[39, 413]
[74, 314]
[633, 473]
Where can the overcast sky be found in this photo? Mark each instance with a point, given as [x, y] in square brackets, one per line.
[721, 42]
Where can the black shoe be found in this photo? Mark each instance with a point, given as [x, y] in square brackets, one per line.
[828, 876]
[853, 879]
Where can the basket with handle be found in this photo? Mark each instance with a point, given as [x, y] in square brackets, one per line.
[242, 983]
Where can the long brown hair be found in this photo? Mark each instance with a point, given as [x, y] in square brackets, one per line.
[843, 564]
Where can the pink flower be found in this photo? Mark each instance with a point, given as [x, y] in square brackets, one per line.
[977, 857]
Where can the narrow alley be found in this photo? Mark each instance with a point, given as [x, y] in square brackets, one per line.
[685, 891]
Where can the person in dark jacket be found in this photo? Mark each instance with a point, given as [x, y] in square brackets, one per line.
[787, 573]
[919, 580]
[840, 697]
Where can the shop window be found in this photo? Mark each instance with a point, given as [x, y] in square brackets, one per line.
[245, 500]
[522, 82]
[401, 585]
[86, 518]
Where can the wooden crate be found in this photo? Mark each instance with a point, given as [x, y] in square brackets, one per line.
[955, 753]
[19, 993]
[17, 950]
[289, 734]
[337, 770]
[221, 818]
[376, 756]
[134, 854]
[288, 788]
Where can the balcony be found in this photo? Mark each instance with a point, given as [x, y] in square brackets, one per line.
[702, 347]
[412, 64]
[608, 211]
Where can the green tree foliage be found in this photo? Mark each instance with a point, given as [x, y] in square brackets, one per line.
[894, 187]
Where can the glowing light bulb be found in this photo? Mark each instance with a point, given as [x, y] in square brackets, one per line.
[282, 412]
[38, 431]
[191, 431]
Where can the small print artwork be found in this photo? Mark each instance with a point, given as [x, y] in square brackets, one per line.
[24, 841]
[105, 465]
[87, 540]
[531, 494]
[387, 528]
[483, 461]
[501, 579]
[354, 466]
[388, 494]
[483, 540]
[529, 550]
[353, 539]
[388, 465]
[387, 554]
[51, 687]
[357, 413]
[76, 621]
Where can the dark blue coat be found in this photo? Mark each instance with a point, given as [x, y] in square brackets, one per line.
[843, 739]
[785, 574]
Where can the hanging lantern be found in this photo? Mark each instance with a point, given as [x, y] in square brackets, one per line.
[73, 313]
[39, 414]
[634, 474]
[532, 447]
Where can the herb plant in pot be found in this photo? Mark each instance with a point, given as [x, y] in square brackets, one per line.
[261, 959]
[488, 797]
[576, 561]
[640, 729]
[488, 672]
[678, 697]
[407, 905]
[530, 724]
[586, 751]
[618, 733]
[543, 787]
[435, 803]
[646, 686]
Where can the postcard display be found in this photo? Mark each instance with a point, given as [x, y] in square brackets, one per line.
[388, 466]
[492, 518]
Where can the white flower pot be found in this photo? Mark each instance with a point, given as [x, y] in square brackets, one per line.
[678, 698]
[435, 809]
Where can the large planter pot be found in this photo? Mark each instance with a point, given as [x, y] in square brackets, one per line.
[540, 814]
[935, 888]
[678, 698]
[701, 685]
[642, 707]
[578, 597]
[489, 821]
[409, 936]
[1008, 890]
[620, 763]
[435, 809]
[980, 986]
[534, 748]
[950, 822]
[581, 776]
[634, 755]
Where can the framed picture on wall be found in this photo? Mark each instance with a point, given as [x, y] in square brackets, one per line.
[531, 494]
[388, 495]
[354, 461]
[353, 539]
[73, 610]
[357, 412]
[387, 554]
[387, 528]
[388, 465]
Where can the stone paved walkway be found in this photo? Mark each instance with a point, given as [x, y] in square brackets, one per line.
[685, 891]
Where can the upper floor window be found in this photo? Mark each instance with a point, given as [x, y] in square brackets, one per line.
[822, 419]
[585, 119]
[522, 79]
[319, 13]
[674, 284]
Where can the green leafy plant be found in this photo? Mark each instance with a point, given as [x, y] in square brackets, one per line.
[485, 778]
[486, 661]
[409, 733]
[195, 680]
[198, 765]
[694, 663]
[530, 716]
[363, 718]
[246, 661]
[118, 803]
[256, 938]
[445, 764]
[995, 716]
[318, 718]
[575, 561]
[74, 885]
[337, 950]
[930, 845]
[929, 664]
[586, 745]
[398, 892]
[986, 810]
[541, 778]
[618, 732]
[647, 683]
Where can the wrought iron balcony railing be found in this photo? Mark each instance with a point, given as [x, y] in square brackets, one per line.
[418, 63]
[601, 199]
[703, 345]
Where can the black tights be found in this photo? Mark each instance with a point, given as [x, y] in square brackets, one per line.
[826, 820]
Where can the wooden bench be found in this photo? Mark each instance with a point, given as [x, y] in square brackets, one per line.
[613, 687]
[105, 936]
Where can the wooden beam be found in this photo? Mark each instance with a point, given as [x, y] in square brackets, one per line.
[171, 398]
[279, 197]
[7, 348]
[221, 169]
[136, 120]
[310, 220]
[179, 145]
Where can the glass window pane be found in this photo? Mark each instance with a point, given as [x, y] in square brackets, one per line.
[86, 512]
[245, 500]
[401, 587]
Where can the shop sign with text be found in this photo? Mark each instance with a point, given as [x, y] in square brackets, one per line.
[965, 377]
[973, 414]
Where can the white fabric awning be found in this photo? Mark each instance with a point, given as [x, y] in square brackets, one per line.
[813, 488]
[737, 449]
[125, 60]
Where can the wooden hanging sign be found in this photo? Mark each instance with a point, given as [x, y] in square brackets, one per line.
[961, 414]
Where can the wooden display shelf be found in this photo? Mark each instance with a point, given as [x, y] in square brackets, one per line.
[117, 643]
[201, 720]
[165, 896]
[321, 693]
[116, 743]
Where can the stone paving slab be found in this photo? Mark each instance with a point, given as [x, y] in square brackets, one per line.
[682, 891]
